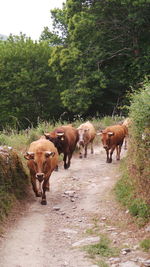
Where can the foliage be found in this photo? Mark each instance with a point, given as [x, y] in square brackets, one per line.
[96, 52]
[133, 190]
[27, 85]
[106, 51]
[145, 244]
[13, 180]
[141, 117]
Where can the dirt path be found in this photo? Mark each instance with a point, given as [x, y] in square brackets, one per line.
[80, 198]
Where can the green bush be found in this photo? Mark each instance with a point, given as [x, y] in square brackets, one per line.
[133, 190]
[139, 111]
[139, 208]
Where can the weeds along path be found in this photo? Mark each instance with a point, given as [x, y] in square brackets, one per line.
[80, 200]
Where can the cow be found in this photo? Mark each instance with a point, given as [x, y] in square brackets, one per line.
[87, 134]
[112, 138]
[65, 139]
[42, 159]
[127, 124]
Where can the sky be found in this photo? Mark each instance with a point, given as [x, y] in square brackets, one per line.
[26, 16]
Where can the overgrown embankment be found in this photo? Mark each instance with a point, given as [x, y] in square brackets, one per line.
[133, 190]
[13, 179]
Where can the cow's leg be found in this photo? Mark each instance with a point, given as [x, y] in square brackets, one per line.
[125, 143]
[111, 152]
[69, 159]
[92, 151]
[119, 151]
[43, 201]
[47, 185]
[34, 187]
[80, 151]
[65, 163]
[107, 156]
[56, 169]
[85, 150]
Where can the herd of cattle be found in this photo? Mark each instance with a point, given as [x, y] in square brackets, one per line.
[43, 154]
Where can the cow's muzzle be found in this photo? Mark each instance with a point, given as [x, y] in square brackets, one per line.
[105, 146]
[40, 176]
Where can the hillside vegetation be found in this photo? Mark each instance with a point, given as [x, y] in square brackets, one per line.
[133, 190]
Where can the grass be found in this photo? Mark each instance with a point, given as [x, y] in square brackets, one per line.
[103, 248]
[126, 193]
[145, 245]
[102, 263]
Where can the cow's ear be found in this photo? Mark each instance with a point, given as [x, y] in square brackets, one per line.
[49, 154]
[110, 134]
[47, 135]
[29, 155]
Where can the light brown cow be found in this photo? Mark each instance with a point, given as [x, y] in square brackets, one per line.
[112, 138]
[87, 134]
[127, 124]
[65, 139]
[42, 159]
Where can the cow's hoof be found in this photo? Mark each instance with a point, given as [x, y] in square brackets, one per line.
[109, 161]
[43, 202]
[66, 166]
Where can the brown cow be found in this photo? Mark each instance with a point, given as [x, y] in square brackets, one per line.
[42, 159]
[112, 137]
[87, 134]
[65, 139]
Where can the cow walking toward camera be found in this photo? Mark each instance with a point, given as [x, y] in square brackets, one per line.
[112, 138]
[42, 159]
[87, 134]
[65, 139]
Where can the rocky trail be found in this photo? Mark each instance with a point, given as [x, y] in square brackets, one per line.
[81, 207]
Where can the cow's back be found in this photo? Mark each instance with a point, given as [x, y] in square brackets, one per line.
[71, 134]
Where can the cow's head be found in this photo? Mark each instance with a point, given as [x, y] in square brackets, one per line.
[106, 138]
[58, 139]
[39, 163]
[82, 136]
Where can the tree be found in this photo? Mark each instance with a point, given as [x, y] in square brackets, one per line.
[28, 88]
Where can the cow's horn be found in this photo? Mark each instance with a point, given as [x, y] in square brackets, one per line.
[46, 134]
[110, 133]
[60, 134]
[49, 153]
[29, 155]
